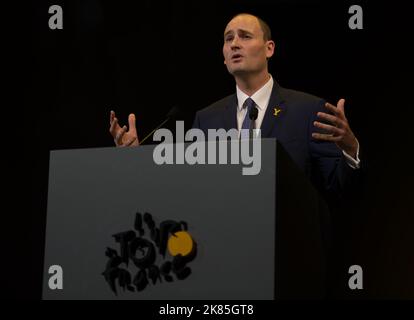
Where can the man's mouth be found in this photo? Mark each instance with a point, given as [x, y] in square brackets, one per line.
[236, 57]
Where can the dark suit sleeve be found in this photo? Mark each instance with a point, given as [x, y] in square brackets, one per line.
[329, 169]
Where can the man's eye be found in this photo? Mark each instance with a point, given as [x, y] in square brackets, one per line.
[246, 36]
[228, 39]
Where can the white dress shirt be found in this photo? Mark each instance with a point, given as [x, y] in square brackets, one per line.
[261, 98]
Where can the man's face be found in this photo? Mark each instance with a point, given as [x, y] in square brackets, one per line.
[245, 50]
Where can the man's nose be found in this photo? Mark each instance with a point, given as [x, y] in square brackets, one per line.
[235, 43]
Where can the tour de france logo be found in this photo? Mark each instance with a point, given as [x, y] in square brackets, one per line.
[171, 241]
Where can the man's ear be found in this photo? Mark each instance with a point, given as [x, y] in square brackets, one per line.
[270, 48]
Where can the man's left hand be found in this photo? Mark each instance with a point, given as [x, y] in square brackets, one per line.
[338, 130]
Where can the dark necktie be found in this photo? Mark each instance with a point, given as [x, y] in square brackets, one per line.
[248, 104]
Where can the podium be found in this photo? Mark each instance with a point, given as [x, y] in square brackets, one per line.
[120, 226]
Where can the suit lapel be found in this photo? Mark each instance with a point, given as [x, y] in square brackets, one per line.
[230, 114]
[271, 120]
[275, 113]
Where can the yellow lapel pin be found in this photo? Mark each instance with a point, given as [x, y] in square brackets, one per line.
[276, 111]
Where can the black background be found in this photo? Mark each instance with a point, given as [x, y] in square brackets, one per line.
[148, 56]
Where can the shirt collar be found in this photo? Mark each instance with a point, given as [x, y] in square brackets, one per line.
[261, 97]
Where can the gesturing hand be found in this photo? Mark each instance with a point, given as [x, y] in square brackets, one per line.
[338, 130]
[122, 137]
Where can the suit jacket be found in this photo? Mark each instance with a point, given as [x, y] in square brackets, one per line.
[323, 162]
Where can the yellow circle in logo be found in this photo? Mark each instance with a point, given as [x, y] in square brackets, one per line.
[180, 243]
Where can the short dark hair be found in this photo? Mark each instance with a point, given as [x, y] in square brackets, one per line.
[267, 33]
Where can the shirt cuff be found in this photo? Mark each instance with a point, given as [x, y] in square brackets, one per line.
[353, 163]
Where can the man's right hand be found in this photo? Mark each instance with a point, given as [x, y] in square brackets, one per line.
[122, 137]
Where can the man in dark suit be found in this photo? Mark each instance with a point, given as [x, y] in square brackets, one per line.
[315, 134]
